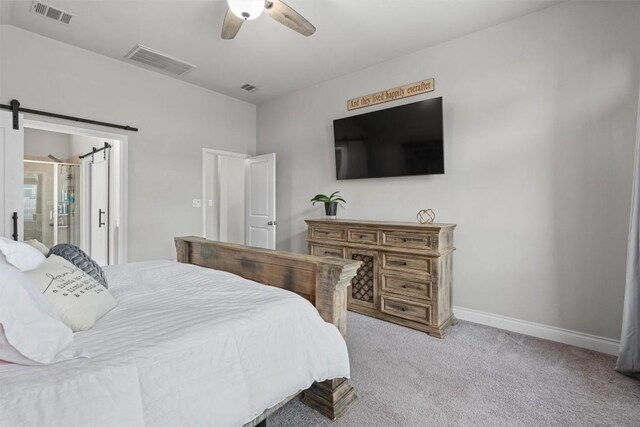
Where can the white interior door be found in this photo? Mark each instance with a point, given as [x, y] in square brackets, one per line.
[11, 175]
[99, 209]
[260, 201]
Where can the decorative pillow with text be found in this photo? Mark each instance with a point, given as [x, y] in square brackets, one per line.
[76, 297]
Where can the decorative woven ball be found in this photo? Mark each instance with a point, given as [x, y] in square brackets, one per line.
[426, 216]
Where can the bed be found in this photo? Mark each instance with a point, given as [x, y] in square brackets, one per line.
[188, 345]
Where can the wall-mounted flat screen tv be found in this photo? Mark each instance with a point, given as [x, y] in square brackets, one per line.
[398, 141]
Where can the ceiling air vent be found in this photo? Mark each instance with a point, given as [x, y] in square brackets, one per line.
[248, 87]
[158, 61]
[47, 11]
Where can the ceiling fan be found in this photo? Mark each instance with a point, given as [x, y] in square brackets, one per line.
[246, 10]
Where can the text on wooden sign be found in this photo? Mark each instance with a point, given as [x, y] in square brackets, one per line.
[391, 94]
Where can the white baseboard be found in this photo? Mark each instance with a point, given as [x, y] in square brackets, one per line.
[538, 330]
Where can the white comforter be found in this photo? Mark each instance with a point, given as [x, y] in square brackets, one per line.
[185, 346]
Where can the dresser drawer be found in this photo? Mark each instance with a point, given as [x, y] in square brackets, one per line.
[363, 236]
[319, 250]
[407, 286]
[405, 309]
[406, 262]
[328, 233]
[403, 239]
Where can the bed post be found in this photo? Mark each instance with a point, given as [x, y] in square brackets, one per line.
[332, 398]
[182, 251]
[331, 292]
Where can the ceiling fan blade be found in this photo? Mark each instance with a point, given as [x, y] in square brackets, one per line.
[288, 17]
[231, 25]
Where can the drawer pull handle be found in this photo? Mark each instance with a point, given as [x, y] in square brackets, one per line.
[360, 236]
[404, 239]
[398, 307]
[404, 286]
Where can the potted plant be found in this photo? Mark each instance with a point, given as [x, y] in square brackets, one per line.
[330, 203]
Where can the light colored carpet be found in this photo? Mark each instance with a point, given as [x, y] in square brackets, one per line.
[476, 376]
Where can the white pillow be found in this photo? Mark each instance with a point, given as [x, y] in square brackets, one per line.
[30, 331]
[41, 247]
[78, 298]
[20, 255]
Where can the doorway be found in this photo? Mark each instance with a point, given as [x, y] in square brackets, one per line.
[74, 188]
[238, 198]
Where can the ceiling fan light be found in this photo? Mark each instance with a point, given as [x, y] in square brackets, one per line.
[246, 9]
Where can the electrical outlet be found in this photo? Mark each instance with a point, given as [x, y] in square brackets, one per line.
[197, 203]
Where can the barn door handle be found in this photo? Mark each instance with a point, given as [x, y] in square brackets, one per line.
[14, 218]
[100, 222]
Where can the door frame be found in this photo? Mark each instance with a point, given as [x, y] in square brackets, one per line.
[121, 155]
[205, 152]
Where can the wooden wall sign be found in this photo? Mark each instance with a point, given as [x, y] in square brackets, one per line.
[391, 94]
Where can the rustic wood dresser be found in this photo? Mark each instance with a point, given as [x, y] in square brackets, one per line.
[406, 271]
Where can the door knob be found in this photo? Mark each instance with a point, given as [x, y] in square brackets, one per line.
[272, 223]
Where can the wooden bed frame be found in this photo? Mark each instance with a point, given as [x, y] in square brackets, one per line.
[322, 280]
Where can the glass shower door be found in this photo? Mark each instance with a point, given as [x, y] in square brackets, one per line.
[68, 223]
[38, 202]
[51, 204]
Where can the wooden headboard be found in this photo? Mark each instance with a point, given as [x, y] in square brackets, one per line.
[323, 280]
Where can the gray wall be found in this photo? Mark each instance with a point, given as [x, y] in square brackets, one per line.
[80, 144]
[40, 143]
[232, 205]
[540, 117]
[225, 190]
[176, 121]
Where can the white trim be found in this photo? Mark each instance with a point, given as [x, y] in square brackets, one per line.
[85, 165]
[56, 204]
[539, 330]
[225, 153]
[122, 222]
[204, 202]
[74, 130]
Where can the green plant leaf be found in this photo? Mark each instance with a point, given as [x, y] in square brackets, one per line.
[321, 198]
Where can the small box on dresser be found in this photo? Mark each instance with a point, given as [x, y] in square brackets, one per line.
[406, 272]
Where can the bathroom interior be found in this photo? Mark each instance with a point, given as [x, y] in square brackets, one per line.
[57, 187]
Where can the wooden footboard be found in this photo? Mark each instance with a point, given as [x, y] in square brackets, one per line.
[323, 280]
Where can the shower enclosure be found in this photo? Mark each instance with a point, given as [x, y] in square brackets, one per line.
[52, 208]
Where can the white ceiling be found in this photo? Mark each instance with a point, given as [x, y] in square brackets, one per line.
[351, 35]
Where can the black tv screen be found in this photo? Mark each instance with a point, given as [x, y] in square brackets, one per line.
[398, 141]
